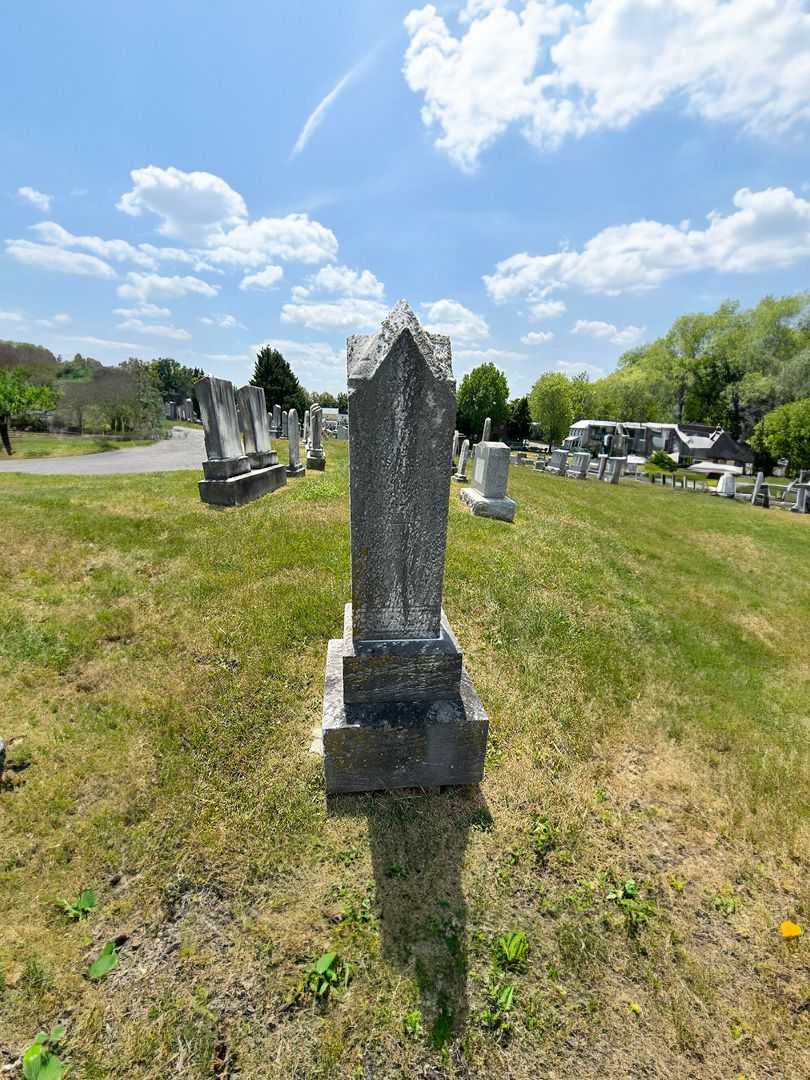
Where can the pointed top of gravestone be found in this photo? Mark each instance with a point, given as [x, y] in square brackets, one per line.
[365, 352]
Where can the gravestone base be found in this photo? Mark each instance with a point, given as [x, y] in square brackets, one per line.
[296, 470]
[502, 509]
[225, 468]
[413, 669]
[238, 490]
[316, 460]
[400, 744]
[263, 459]
[460, 478]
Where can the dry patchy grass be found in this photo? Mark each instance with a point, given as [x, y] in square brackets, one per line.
[639, 653]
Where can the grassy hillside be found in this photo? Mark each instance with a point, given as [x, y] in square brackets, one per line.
[642, 654]
[40, 444]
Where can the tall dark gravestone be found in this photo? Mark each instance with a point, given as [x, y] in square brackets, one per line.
[399, 709]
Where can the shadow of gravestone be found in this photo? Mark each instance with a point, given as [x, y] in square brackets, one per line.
[418, 843]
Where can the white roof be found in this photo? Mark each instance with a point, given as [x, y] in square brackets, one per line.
[710, 467]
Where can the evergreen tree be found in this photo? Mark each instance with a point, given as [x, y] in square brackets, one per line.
[277, 379]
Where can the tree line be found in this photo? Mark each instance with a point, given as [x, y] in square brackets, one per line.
[746, 370]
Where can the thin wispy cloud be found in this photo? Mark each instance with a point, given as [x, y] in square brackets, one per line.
[315, 118]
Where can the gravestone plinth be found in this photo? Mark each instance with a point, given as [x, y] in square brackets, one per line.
[486, 496]
[399, 709]
[229, 478]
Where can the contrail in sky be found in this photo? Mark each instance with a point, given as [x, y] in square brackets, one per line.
[320, 110]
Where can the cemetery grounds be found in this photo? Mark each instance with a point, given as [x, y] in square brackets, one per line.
[642, 655]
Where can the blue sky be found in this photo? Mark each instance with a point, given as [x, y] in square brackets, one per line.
[548, 183]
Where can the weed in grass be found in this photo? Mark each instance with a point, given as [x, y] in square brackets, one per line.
[638, 913]
[104, 962]
[396, 871]
[725, 902]
[511, 951]
[544, 837]
[40, 1061]
[82, 908]
[348, 856]
[327, 975]
[413, 1024]
[496, 1015]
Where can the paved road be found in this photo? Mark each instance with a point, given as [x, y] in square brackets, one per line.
[185, 450]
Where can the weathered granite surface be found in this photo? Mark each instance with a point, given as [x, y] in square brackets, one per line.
[373, 747]
[600, 471]
[284, 422]
[615, 469]
[502, 509]
[399, 710]
[223, 441]
[316, 455]
[275, 425]
[727, 486]
[557, 462]
[294, 468]
[238, 490]
[413, 669]
[578, 466]
[487, 434]
[486, 496]
[255, 427]
[761, 493]
[460, 474]
[402, 408]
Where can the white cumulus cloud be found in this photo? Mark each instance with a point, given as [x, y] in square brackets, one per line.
[147, 311]
[346, 313]
[294, 238]
[555, 70]
[537, 337]
[10, 316]
[342, 279]
[547, 309]
[454, 319]
[37, 198]
[50, 257]
[191, 205]
[157, 329]
[141, 286]
[264, 279]
[628, 335]
[767, 230]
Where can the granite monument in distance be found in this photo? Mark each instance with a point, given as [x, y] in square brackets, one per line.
[399, 709]
[486, 496]
[316, 455]
[293, 436]
[235, 474]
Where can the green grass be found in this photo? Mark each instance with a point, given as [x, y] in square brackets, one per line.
[642, 656]
[36, 444]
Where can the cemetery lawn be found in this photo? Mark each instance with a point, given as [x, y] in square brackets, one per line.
[42, 444]
[643, 656]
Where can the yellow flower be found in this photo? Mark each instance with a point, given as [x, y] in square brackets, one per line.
[790, 929]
